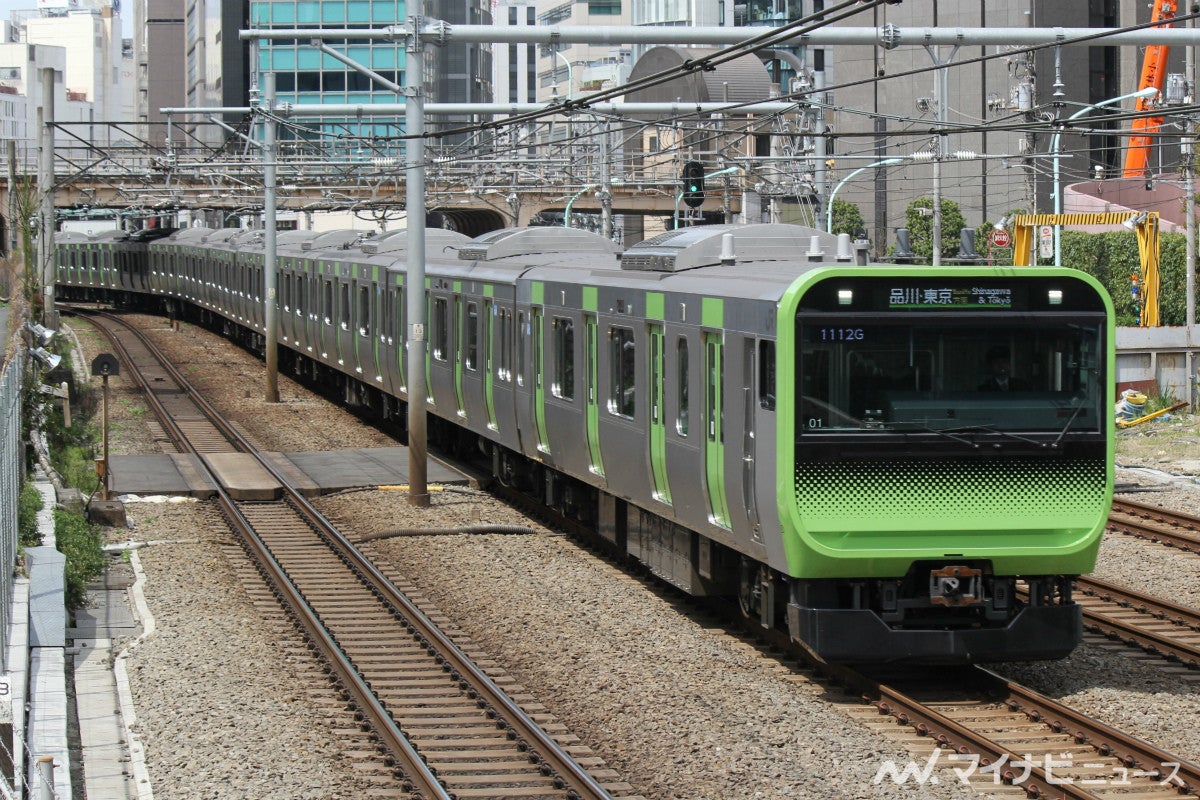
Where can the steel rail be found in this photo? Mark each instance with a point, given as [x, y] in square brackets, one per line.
[1169, 528]
[1133, 635]
[574, 777]
[413, 766]
[955, 736]
[1107, 741]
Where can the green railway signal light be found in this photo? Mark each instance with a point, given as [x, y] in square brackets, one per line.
[693, 184]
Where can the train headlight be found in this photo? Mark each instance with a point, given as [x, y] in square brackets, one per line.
[1054, 297]
[845, 297]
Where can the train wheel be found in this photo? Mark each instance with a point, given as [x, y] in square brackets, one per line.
[750, 588]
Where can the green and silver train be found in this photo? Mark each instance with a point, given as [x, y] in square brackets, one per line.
[890, 463]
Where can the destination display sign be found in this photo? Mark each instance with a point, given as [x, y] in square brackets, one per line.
[951, 297]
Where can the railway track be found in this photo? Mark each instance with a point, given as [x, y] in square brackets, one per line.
[1154, 524]
[989, 731]
[1140, 620]
[445, 728]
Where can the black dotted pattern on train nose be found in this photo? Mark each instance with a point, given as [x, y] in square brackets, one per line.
[924, 490]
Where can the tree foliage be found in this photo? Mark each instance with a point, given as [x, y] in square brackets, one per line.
[920, 227]
[847, 218]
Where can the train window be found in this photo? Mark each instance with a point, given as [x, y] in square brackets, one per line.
[564, 359]
[522, 335]
[766, 374]
[364, 310]
[327, 302]
[344, 305]
[656, 376]
[537, 335]
[286, 294]
[504, 349]
[714, 381]
[298, 297]
[873, 377]
[623, 349]
[471, 337]
[440, 329]
[489, 340]
[681, 365]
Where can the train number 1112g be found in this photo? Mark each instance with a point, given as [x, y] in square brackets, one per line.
[841, 334]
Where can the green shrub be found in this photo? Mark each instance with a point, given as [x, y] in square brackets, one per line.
[1112, 257]
[80, 543]
[28, 505]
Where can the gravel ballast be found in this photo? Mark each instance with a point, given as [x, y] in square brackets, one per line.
[680, 708]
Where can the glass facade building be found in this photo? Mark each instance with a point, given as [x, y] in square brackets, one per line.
[304, 75]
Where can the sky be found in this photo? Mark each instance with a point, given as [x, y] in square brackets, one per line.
[8, 6]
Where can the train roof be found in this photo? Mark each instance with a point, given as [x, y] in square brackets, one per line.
[334, 240]
[530, 243]
[190, 235]
[711, 245]
[436, 239]
[112, 235]
[503, 256]
[70, 237]
[746, 261]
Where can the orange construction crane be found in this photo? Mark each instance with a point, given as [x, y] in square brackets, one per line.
[1154, 66]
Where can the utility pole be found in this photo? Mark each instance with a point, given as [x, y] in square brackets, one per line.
[1189, 176]
[414, 199]
[821, 146]
[606, 207]
[46, 191]
[270, 227]
[942, 91]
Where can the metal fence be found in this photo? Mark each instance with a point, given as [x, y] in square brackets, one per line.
[11, 467]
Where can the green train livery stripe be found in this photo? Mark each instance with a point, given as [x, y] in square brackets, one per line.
[655, 303]
[712, 312]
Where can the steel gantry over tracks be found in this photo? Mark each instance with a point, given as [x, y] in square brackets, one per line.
[1145, 225]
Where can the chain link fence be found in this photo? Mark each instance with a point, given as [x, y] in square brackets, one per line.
[11, 468]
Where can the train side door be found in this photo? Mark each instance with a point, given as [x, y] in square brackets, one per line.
[591, 356]
[750, 368]
[400, 333]
[460, 330]
[714, 443]
[489, 361]
[537, 335]
[658, 434]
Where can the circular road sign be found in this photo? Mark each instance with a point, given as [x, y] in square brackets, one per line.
[1001, 237]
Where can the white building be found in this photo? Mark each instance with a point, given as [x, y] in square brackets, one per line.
[91, 39]
[21, 68]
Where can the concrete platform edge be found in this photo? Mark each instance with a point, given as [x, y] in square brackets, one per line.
[137, 752]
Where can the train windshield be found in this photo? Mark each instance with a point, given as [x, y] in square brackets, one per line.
[932, 373]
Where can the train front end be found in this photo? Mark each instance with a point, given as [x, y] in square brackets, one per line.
[944, 459]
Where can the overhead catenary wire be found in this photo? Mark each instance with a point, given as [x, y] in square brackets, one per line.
[919, 128]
